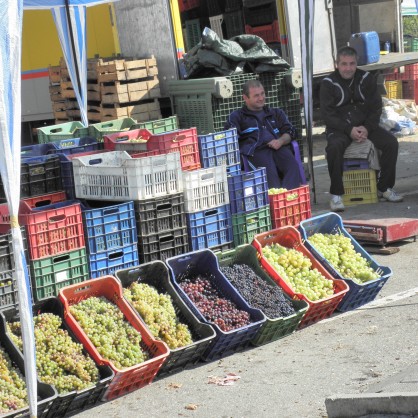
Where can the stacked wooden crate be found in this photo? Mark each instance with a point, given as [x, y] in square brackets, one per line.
[57, 100]
[129, 88]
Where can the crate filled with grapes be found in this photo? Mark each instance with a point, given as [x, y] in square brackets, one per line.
[13, 394]
[150, 292]
[345, 259]
[283, 314]
[61, 360]
[291, 265]
[113, 334]
[212, 298]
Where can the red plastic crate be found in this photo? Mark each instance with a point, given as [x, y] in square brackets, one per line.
[185, 5]
[46, 199]
[410, 72]
[410, 89]
[269, 33]
[290, 237]
[125, 141]
[130, 378]
[290, 212]
[50, 230]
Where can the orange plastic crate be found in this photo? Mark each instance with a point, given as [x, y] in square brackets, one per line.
[46, 199]
[289, 237]
[285, 212]
[269, 33]
[131, 378]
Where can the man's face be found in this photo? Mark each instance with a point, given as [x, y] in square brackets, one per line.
[256, 98]
[347, 66]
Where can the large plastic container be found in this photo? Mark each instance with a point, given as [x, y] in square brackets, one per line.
[359, 294]
[273, 328]
[367, 46]
[157, 275]
[226, 342]
[130, 378]
[289, 237]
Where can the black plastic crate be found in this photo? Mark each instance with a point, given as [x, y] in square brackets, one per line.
[75, 401]
[160, 214]
[214, 7]
[163, 245]
[261, 15]
[233, 5]
[234, 23]
[46, 393]
[255, 3]
[156, 274]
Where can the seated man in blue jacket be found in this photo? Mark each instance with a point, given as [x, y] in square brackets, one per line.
[264, 135]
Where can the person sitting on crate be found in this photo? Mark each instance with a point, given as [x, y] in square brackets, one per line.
[264, 135]
[351, 107]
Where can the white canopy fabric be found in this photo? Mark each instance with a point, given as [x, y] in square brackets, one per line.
[409, 7]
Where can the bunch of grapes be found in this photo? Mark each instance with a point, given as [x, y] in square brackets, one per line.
[212, 305]
[114, 337]
[339, 251]
[257, 292]
[158, 312]
[297, 271]
[13, 393]
[60, 361]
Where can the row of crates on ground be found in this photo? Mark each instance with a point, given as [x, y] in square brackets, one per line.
[403, 85]
[210, 342]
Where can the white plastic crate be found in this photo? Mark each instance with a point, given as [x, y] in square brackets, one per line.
[119, 177]
[205, 188]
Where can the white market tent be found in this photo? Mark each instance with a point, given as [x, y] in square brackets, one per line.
[409, 7]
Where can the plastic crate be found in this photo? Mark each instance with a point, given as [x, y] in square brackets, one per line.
[206, 188]
[359, 294]
[248, 191]
[273, 328]
[234, 23]
[287, 209]
[359, 187]
[183, 141]
[107, 262]
[410, 89]
[50, 274]
[204, 262]
[289, 237]
[410, 73]
[269, 33]
[393, 89]
[246, 225]
[232, 5]
[209, 228]
[219, 148]
[117, 176]
[45, 200]
[99, 130]
[355, 164]
[163, 245]
[108, 226]
[77, 400]
[129, 141]
[160, 214]
[131, 378]
[36, 150]
[46, 393]
[61, 131]
[156, 274]
[158, 126]
[261, 15]
[193, 32]
[185, 5]
[76, 145]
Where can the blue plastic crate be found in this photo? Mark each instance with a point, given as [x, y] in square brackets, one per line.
[233, 169]
[108, 226]
[36, 150]
[355, 164]
[248, 191]
[107, 262]
[359, 294]
[76, 145]
[220, 148]
[210, 228]
[204, 262]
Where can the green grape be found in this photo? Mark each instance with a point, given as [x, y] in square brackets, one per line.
[157, 310]
[339, 251]
[296, 270]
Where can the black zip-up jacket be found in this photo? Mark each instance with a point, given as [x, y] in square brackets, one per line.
[248, 129]
[349, 103]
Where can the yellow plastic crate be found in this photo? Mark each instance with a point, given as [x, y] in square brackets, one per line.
[393, 89]
[359, 187]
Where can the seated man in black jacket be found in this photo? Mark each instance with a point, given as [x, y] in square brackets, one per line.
[264, 134]
[351, 107]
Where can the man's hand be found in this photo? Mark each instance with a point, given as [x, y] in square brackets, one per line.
[276, 143]
[359, 134]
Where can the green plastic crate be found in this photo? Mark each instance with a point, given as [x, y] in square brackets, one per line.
[158, 126]
[98, 130]
[272, 329]
[50, 274]
[193, 33]
[246, 225]
[66, 130]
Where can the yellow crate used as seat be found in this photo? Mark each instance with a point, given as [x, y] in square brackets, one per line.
[359, 187]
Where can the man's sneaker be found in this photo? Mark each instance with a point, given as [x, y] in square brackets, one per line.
[336, 204]
[390, 195]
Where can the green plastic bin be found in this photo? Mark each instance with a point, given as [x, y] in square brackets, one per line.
[158, 126]
[65, 130]
[98, 130]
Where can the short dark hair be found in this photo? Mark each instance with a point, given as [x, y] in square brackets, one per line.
[248, 84]
[346, 51]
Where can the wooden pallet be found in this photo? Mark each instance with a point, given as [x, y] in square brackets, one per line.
[133, 108]
[54, 73]
[123, 70]
[125, 92]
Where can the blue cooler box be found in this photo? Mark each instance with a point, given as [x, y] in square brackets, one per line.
[367, 46]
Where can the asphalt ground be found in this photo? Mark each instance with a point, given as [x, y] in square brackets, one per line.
[362, 362]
